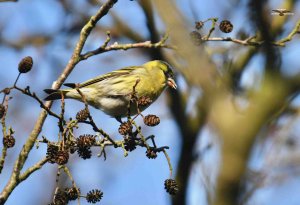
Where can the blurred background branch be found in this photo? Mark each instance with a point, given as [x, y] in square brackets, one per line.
[233, 121]
[8, 1]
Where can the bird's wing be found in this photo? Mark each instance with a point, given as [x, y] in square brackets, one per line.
[113, 74]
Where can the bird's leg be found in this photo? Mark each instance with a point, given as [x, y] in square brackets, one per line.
[119, 119]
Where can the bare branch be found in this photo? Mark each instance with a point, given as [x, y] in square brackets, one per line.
[295, 31]
[251, 42]
[246, 42]
[32, 169]
[86, 30]
[4, 132]
[2, 159]
[146, 44]
[27, 92]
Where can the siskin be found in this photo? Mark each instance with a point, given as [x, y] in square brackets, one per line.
[112, 92]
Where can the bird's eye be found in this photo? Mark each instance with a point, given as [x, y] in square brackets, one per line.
[170, 73]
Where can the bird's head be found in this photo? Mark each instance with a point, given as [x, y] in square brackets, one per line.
[168, 72]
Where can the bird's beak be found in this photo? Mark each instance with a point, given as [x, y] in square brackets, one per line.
[171, 83]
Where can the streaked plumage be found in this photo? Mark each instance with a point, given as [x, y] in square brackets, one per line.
[111, 92]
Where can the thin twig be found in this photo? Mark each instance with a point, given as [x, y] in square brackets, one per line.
[141, 135]
[15, 83]
[169, 162]
[250, 42]
[125, 151]
[67, 171]
[61, 121]
[32, 169]
[116, 46]
[4, 149]
[57, 189]
[295, 31]
[2, 159]
[27, 92]
[102, 152]
[5, 90]
[86, 30]
[133, 98]
[108, 38]
[246, 42]
[214, 21]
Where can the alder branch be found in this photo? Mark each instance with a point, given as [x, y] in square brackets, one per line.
[250, 42]
[295, 31]
[246, 42]
[211, 30]
[27, 92]
[17, 177]
[237, 67]
[146, 44]
[4, 133]
[32, 169]
[86, 30]
[2, 159]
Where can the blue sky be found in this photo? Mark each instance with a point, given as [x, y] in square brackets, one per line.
[135, 179]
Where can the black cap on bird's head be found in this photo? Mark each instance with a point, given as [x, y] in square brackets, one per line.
[167, 69]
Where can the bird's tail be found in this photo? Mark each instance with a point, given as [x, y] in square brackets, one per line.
[55, 94]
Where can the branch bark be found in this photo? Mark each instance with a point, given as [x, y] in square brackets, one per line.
[86, 30]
